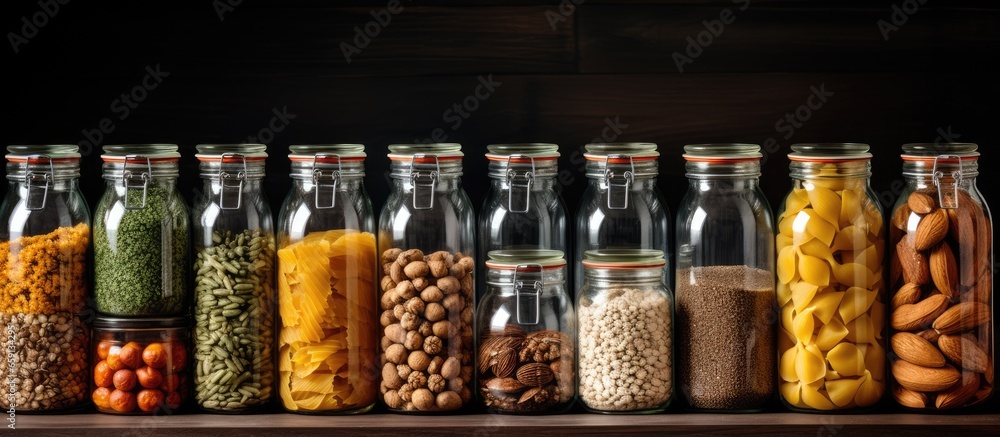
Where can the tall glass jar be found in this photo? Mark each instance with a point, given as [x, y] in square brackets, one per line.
[527, 333]
[234, 280]
[141, 234]
[831, 288]
[427, 240]
[622, 207]
[327, 279]
[523, 209]
[44, 268]
[942, 278]
[725, 281]
[625, 333]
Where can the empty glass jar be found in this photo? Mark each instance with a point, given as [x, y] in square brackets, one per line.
[725, 281]
[622, 207]
[327, 279]
[527, 333]
[942, 278]
[523, 209]
[830, 288]
[44, 272]
[427, 241]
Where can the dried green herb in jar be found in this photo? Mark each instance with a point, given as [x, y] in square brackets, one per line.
[141, 255]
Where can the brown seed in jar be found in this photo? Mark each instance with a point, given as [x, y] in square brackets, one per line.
[455, 384]
[431, 294]
[921, 203]
[397, 354]
[387, 318]
[457, 271]
[426, 329]
[398, 311]
[409, 256]
[454, 303]
[420, 284]
[403, 371]
[410, 321]
[433, 345]
[416, 269]
[466, 284]
[406, 393]
[413, 341]
[392, 399]
[418, 360]
[434, 367]
[386, 342]
[434, 312]
[395, 333]
[415, 306]
[445, 329]
[388, 284]
[449, 285]
[448, 400]
[901, 217]
[452, 368]
[396, 273]
[467, 315]
[437, 268]
[417, 380]
[436, 383]
[423, 399]
[390, 377]
[391, 255]
[405, 290]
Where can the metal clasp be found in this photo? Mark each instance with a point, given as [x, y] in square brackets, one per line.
[527, 180]
[619, 190]
[225, 176]
[31, 181]
[128, 177]
[333, 180]
[426, 181]
[533, 290]
[948, 202]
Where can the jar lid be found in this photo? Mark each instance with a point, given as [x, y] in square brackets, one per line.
[830, 152]
[141, 323]
[623, 258]
[155, 152]
[210, 152]
[534, 150]
[442, 151]
[20, 153]
[931, 151]
[344, 152]
[722, 152]
[511, 259]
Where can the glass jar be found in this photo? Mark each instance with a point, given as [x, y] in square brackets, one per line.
[830, 287]
[44, 269]
[725, 281]
[523, 208]
[625, 333]
[622, 208]
[234, 302]
[427, 239]
[327, 279]
[527, 333]
[141, 365]
[941, 308]
[141, 234]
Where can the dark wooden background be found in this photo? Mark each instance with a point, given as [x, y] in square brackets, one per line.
[606, 60]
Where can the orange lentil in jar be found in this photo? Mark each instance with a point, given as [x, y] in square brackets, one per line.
[45, 274]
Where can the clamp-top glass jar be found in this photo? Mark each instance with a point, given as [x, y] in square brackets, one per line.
[942, 271]
[427, 239]
[234, 278]
[327, 279]
[523, 209]
[527, 332]
[622, 207]
[141, 234]
[830, 287]
[44, 250]
[725, 281]
[625, 333]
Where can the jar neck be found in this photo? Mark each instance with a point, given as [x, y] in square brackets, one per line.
[965, 168]
[624, 276]
[232, 169]
[726, 171]
[136, 169]
[638, 169]
[59, 170]
[726, 184]
[501, 170]
[430, 168]
[812, 170]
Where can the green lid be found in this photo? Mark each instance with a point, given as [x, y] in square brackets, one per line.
[344, 150]
[51, 150]
[623, 258]
[727, 151]
[512, 258]
[147, 150]
[823, 151]
[430, 149]
[529, 149]
[621, 148]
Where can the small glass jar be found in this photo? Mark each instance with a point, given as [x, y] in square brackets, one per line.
[725, 281]
[44, 270]
[427, 239]
[830, 287]
[141, 234]
[523, 209]
[625, 333]
[328, 274]
[234, 306]
[622, 207]
[527, 333]
[943, 265]
[141, 365]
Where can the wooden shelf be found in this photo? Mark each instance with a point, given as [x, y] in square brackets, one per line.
[485, 425]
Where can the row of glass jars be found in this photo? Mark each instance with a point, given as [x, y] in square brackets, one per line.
[831, 310]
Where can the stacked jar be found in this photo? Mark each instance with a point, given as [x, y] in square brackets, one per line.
[725, 281]
[44, 268]
[234, 278]
[141, 262]
[427, 240]
[523, 208]
[622, 207]
[831, 289]
[941, 276]
[527, 331]
[625, 333]
[327, 279]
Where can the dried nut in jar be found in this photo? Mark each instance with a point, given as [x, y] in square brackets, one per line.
[425, 329]
[962, 317]
[451, 368]
[423, 399]
[416, 269]
[916, 350]
[431, 294]
[924, 379]
[914, 316]
[505, 385]
[395, 333]
[438, 268]
[414, 341]
[920, 203]
[909, 398]
[914, 264]
[931, 230]
[944, 270]
[960, 394]
[390, 377]
[434, 312]
[448, 401]
[391, 255]
[409, 256]
[420, 284]
[964, 352]
[396, 354]
[405, 291]
[418, 360]
[907, 294]
[535, 374]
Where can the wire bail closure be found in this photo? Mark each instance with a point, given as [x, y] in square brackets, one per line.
[517, 184]
[225, 176]
[534, 290]
[948, 202]
[31, 180]
[333, 180]
[427, 182]
[128, 177]
[619, 190]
